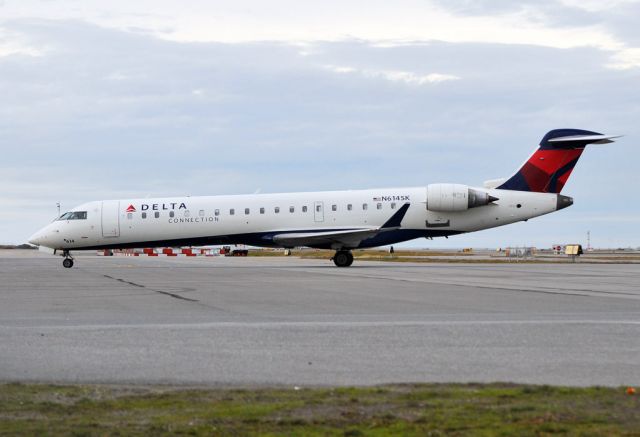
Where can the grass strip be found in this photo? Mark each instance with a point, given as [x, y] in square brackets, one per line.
[421, 409]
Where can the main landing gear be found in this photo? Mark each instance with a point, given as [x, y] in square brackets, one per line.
[343, 258]
[68, 260]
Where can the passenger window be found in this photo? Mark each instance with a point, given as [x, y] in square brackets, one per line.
[232, 211]
[201, 213]
[172, 214]
[334, 207]
[364, 206]
[187, 213]
[318, 208]
[217, 212]
[393, 205]
[129, 216]
[277, 209]
[304, 208]
[261, 210]
[349, 207]
[144, 215]
[379, 206]
[157, 214]
[291, 209]
[246, 211]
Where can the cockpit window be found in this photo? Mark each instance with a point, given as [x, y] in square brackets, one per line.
[74, 215]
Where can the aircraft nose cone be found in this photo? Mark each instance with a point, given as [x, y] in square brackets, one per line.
[37, 239]
[34, 239]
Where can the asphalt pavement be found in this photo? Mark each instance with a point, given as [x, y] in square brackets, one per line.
[288, 321]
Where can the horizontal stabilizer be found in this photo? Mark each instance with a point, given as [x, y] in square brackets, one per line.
[493, 183]
[585, 139]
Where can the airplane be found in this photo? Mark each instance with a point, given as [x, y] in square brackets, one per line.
[336, 220]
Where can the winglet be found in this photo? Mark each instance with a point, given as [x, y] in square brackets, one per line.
[396, 219]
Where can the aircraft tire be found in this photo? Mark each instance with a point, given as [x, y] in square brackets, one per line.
[343, 258]
[67, 263]
[350, 259]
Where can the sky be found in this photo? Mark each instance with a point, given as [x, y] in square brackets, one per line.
[121, 99]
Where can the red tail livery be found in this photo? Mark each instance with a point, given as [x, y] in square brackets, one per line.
[550, 166]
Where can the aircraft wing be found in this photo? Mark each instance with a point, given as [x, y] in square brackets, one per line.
[349, 238]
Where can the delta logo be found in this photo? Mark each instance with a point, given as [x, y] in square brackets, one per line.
[158, 206]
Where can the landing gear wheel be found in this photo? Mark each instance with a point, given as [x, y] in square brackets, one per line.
[343, 258]
[67, 263]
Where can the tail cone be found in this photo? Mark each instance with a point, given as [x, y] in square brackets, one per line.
[563, 202]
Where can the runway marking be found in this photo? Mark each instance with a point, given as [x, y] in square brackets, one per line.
[545, 290]
[166, 293]
[312, 324]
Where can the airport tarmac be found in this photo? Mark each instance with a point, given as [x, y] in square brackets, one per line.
[288, 321]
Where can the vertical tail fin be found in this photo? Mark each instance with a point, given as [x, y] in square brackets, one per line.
[550, 166]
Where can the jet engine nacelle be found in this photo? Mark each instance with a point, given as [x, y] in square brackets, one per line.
[455, 197]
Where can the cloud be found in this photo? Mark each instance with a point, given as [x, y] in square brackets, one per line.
[625, 59]
[608, 25]
[406, 77]
[412, 78]
[340, 69]
[598, 5]
[13, 43]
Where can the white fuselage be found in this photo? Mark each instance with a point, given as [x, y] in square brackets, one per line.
[254, 219]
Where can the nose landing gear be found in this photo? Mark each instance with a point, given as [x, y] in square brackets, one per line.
[343, 258]
[67, 263]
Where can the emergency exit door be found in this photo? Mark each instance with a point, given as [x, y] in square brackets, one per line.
[318, 211]
[110, 218]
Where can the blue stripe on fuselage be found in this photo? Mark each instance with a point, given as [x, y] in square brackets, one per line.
[265, 239]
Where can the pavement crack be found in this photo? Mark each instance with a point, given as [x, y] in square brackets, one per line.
[177, 296]
[166, 293]
[124, 282]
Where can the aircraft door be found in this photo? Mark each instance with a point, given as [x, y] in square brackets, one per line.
[110, 218]
[318, 211]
